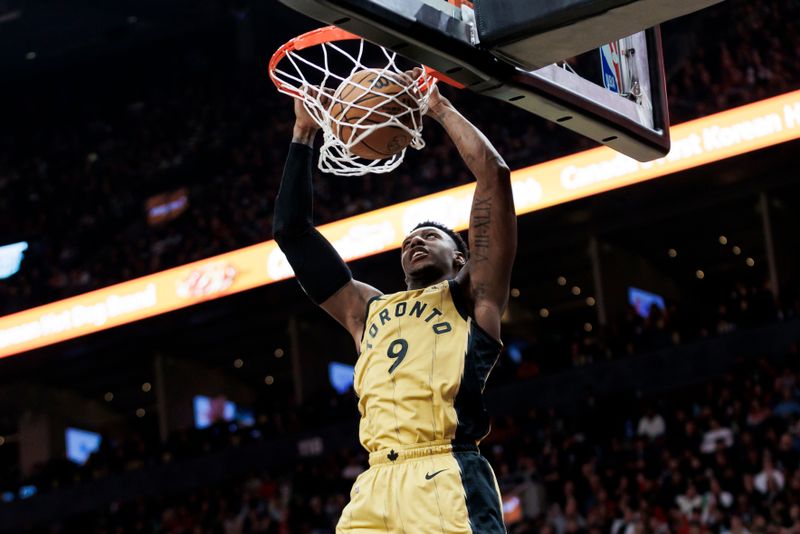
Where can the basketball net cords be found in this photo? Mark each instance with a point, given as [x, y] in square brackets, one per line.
[335, 155]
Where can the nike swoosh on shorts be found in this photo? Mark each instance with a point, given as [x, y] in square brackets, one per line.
[429, 476]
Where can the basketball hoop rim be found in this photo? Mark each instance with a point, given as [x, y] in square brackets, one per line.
[329, 34]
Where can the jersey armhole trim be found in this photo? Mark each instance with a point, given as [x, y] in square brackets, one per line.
[498, 344]
[457, 293]
[366, 315]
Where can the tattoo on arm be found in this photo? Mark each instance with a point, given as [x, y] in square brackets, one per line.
[479, 290]
[480, 228]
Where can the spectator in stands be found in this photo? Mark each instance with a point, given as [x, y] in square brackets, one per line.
[690, 501]
[353, 468]
[786, 456]
[651, 424]
[717, 437]
[769, 481]
[788, 407]
[757, 413]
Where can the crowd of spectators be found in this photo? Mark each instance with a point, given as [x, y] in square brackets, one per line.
[720, 457]
[76, 171]
[742, 307]
[737, 57]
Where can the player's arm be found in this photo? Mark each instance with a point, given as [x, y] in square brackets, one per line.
[493, 221]
[318, 267]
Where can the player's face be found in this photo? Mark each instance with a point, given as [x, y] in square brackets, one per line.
[429, 250]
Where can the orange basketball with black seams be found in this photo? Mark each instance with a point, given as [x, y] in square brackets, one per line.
[368, 97]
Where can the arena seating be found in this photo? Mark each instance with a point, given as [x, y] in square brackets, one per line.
[715, 457]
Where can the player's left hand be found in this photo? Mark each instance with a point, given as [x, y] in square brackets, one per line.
[436, 102]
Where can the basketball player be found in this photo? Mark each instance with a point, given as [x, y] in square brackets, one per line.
[424, 353]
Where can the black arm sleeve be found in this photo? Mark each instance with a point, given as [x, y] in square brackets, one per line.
[316, 264]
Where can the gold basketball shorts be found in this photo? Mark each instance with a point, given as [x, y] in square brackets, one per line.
[431, 488]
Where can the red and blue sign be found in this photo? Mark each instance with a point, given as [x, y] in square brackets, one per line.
[610, 66]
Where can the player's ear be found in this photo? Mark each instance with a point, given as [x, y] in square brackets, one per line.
[459, 260]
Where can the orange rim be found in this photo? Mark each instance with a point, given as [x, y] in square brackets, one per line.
[330, 34]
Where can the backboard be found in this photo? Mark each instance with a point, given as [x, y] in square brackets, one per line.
[509, 49]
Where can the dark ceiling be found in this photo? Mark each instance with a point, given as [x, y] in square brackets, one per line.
[48, 32]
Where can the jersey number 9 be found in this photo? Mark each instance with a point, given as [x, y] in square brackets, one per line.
[397, 351]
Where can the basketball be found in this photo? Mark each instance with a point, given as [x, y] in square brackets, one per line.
[369, 97]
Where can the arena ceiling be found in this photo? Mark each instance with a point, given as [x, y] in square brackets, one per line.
[46, 33]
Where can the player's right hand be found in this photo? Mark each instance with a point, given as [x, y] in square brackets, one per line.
[302, 118]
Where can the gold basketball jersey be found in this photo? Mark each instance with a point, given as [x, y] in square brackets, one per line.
[422, 370]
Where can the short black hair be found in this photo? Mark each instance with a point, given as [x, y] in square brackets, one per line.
[455, 236]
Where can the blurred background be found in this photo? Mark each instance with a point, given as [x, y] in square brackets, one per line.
[649, 381]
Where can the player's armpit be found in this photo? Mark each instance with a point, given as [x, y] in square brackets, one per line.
[488, 316]
[349, 305]
[484, 312]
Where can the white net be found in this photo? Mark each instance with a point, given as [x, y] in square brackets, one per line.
[368, 114]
